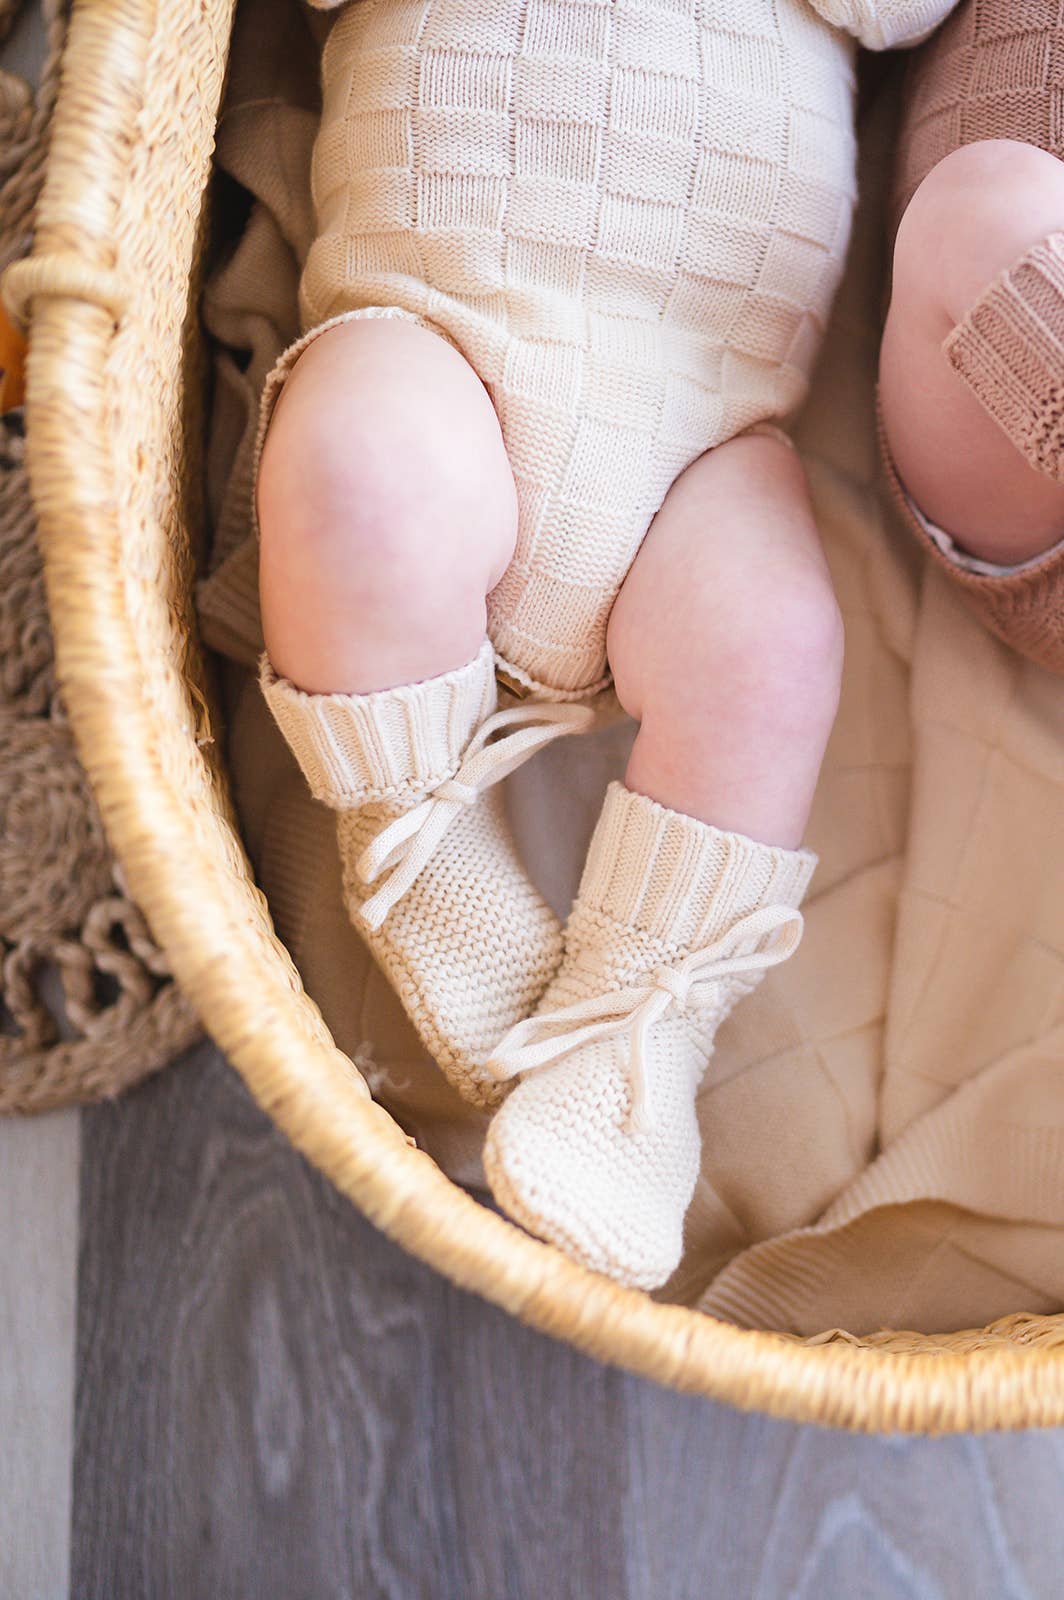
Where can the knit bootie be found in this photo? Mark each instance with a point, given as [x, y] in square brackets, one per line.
[431, 875]
[597, 1148]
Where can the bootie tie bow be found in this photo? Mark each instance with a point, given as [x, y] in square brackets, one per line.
[692, 984]
[406, 845]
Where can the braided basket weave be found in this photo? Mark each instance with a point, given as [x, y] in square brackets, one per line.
[114, 390]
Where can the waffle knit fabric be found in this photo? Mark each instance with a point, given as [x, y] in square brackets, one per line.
[597, 1148]
[629, 216]
[456, 924]
[996, 71]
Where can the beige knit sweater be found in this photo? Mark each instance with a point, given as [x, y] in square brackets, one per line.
[629, 215]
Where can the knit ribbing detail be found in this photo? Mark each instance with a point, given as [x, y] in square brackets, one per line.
[1024, 607]
[1009, 349]
[680, 880]
[389, 745]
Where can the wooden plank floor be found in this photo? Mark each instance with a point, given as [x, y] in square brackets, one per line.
[38, 1267]
[272, 1400]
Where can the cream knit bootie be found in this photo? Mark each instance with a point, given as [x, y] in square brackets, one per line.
[597, 1148]
[431, 874]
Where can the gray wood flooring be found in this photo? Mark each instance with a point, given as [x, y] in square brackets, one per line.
[271, 1400]
[38, 1277]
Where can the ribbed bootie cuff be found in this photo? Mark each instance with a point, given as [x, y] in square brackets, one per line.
[390, 745]
[1009, 350]
[682, 880]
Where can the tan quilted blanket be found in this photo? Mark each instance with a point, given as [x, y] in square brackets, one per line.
[884, 1118]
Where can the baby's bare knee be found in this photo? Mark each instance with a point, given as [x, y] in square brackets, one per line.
[343, 493]
[768, 645]
[391, 473]
[977, 211]
[778, 649]
[730, 600]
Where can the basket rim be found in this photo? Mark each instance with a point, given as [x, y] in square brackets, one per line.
[260, 1020]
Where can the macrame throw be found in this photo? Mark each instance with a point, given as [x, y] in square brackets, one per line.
[87, 1005]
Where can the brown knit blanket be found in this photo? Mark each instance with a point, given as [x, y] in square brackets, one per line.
[883, 1119]
[87, 1006]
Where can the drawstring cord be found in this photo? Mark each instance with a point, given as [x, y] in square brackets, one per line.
[543, 1039]
[406, 844]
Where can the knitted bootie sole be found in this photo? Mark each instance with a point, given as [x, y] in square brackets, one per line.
[521, 1171]
[431, 875]
[597, 1148]
[534, 1213]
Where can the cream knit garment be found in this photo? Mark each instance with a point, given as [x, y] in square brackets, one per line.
[431, 875]
[629, 215]
[597, 1148]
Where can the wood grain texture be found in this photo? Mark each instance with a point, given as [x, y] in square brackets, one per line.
[725, 1505]
[275, 1401]
[38, 1275]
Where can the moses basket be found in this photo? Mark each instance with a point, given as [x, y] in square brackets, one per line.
[114, 400]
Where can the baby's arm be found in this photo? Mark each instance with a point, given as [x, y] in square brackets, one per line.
[883, 24]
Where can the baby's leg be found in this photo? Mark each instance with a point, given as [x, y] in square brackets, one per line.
[386, 507]
[726, 645]
[974, 216]
[725, 642]
[387, 510]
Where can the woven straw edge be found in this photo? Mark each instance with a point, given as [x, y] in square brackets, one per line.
[308, 1088]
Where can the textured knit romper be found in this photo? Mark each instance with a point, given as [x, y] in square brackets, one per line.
[630, 217]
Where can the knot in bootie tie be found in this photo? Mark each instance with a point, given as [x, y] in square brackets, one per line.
[406, 844]
[552, 1035]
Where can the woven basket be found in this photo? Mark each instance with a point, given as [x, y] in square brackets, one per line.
[114, 395]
